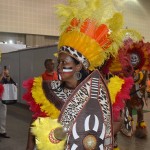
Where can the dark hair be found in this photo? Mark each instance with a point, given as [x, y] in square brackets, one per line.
[82, 71]
[46, 61]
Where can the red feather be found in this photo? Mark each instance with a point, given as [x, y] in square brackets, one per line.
[121, 97]
[89, 27]
[1, 90]
[34, 107]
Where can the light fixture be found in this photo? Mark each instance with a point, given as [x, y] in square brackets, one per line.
[10, 42]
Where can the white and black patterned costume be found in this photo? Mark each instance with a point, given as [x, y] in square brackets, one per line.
[86, 111]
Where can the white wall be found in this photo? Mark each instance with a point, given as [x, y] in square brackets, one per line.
[137, 16]
[38, 16]
[29, 16]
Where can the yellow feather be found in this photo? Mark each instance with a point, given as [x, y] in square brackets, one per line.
[114, 86]
[102, 12]
[40, 98]
[41, 128]
[116, 22]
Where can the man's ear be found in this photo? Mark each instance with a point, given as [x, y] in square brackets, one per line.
[79, 67]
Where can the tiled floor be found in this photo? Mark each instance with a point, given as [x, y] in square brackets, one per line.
[18, 119]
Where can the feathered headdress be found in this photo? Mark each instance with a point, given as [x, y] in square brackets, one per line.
[132, 55]
[91, 31]
[139, 54]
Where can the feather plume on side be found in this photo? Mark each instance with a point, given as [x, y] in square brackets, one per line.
[119, 94]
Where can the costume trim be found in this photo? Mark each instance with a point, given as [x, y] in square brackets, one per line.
[52, 137]
[42, 128]
[139, 76]
[51, 96]
[119, 94]
[34, 107]
[141, 124]
[40, 98]
[74, 53]
[114, 87]
[148, 86]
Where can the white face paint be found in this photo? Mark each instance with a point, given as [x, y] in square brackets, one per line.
[59, 77]
[134, 59]
[68, 59]
[64, 71]
[67, 69]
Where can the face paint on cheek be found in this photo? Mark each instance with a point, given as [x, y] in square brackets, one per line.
[59, 77]
[69, 59]
[67, 69]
